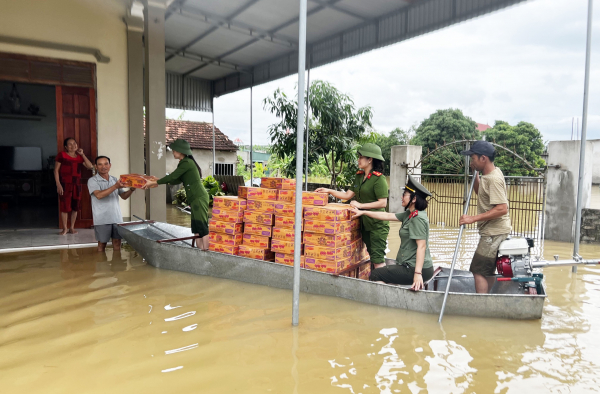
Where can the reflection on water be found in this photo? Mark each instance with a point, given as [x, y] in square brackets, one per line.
[81, 321]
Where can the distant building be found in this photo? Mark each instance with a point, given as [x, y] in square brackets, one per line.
[483, 127]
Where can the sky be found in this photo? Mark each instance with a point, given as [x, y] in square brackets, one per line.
[523, 63]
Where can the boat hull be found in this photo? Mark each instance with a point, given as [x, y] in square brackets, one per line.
[506, 300]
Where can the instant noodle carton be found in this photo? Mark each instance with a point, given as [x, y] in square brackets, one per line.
[355, 234]
[328, 240]
[318, 226]
[286, 221]
[225, 239]
[286, 195]
[229, 203]
[364, 271]
[324, 253]
[261, 206]
[136, 180]
[278, 183]
[286, 209]
[263, 218]
[328, 213]
[228, 216]
[227, 249]
[288, 259]
[225, 227]
[257, 241]
[325, 265]
[257, 229]
[284, 233]
[255, 253]
[259, 193]
[286, 247]
[314, 198]
[243, 192]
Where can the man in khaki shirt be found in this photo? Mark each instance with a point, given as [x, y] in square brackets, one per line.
[492, 217]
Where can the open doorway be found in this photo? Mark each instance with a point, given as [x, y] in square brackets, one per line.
[28, 146]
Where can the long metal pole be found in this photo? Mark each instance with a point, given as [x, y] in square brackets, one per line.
[307, 123]
[462, 227]
[213, 131]
[586, 91]
[299, 157]
[251, 147]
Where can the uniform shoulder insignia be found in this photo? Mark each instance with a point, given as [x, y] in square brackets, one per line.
[377, 173]
[360, 172]
[413, 214]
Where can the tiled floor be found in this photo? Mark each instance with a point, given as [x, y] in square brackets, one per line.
[44, 239]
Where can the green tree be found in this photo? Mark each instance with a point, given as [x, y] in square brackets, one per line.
[335, 128]
[385, 142]
[524, 139]
[444, 126]
[241, 168]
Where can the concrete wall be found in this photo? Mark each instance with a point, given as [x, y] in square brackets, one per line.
[590, 226]
[595, 161]
[92, 23]
[204, 158]
[561, 190]
[402, 157]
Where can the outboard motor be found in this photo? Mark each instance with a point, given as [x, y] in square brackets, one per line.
[514, 264]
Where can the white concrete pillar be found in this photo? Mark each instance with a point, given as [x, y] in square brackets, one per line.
[155, 99]
[403, 157]
[561, 188]
[135, 64]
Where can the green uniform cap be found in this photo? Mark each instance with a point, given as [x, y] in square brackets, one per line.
[370, 150]
[181, 146]
[415, 186]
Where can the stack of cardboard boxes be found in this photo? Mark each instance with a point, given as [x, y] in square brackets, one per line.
[226, 226]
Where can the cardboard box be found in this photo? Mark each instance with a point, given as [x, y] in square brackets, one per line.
[325, 265]
[229, 203]
[327, 240]
[257, 241]
[324, 253]
[288, 259]
[328, 213]
[259, 193]
[261, 206]
[227, 216]
[314, 198]
[225, 239]
[243, 192]
[225, 227]
[255, 253]
[318, 226]
[258, 218]
[364, 271]
[286, 221]
[355, 234]
[220, 248]
[284, 233]
[278, 183]
[286, 196]
[286, 247]
[257, 229]
[136, 180]
[285, 209]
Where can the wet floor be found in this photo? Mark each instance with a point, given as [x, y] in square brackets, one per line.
[78, 321]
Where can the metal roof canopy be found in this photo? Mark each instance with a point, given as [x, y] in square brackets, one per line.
[219, 47]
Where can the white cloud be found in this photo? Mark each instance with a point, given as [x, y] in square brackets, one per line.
[524, 63]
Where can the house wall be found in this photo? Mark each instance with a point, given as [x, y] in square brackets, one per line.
[204, 158]
[90, 23]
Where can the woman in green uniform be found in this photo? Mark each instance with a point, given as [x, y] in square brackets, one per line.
[188, 172]
[371, 191]
[413, 262]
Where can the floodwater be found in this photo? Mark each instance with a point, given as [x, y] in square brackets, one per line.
[78, 321]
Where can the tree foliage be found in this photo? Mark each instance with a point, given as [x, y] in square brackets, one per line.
[335, 128]
[385, 142]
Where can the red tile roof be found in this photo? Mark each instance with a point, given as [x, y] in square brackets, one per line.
[483, 127]
[198, 134]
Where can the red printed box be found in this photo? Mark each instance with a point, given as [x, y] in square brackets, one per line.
[227, 216]
[225, 227]
[278, 183]
[263, 218]
[287, 196]
[327, 240]
[328, 213]
[257, 229]
[364, 271]
[323, 253]
[325, 265]
[136, 181]
[229, 203]
[261, 206]
[284, 233]
[243, 192]
[285, 209]
[314, 198]
[288, 259]
[255, 253]
[286, 221]
[259, 193]
[286, 247]
[257, 241]
[227, 249]
[225, 239]
[317, 226]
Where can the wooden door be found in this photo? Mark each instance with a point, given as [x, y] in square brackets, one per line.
[76, 118]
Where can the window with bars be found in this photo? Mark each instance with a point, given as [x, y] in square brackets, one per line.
[223, 169]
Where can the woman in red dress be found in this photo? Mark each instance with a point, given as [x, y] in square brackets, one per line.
[67, 174]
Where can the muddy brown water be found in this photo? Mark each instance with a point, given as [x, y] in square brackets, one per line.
[78, 321]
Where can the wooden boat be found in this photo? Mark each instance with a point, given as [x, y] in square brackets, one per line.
[154, 241]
